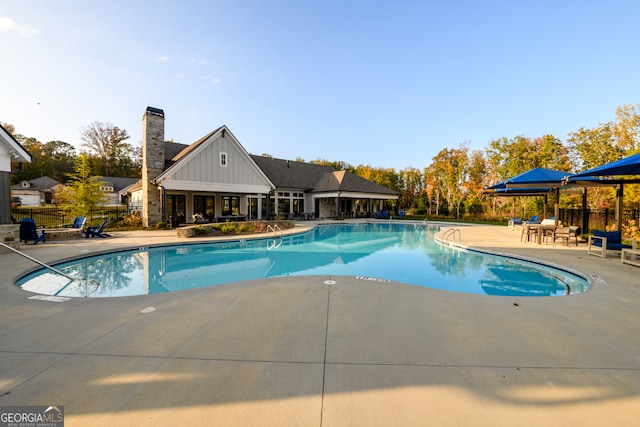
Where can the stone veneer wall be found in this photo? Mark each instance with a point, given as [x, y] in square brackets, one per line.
[152, 165]
[10, 235]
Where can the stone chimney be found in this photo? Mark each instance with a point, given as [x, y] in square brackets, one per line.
[152, 164]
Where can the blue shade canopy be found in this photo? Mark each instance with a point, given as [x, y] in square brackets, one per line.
[627, 166]
[537, 178]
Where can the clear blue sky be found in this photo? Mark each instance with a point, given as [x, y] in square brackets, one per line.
[388, 84]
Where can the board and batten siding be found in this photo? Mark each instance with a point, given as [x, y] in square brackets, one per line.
[204, 167]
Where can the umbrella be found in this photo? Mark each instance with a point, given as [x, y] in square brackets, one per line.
[537, 178]
[627, 166]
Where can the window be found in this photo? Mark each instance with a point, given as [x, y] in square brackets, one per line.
[223, 159]
[204, 205]
[298, 202]
[230, 205]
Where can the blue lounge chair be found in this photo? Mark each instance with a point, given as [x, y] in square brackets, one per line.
[29, 231]
[97, 231]
[514, 222]
[534, 220]
[77, 223]
[383, 215]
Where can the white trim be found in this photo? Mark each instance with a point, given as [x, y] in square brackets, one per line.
[214, 187]
[14, 152]
[170, 172]
[356, 195]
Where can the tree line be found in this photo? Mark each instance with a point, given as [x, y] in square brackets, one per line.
[450, 186]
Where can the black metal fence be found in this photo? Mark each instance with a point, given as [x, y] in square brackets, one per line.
[52, 217]
[56, 217]
[597, 220]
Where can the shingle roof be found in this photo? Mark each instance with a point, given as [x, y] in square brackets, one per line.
[291, 174]
[350, 182]
[41, 183]
[118, 182]
[316, 178]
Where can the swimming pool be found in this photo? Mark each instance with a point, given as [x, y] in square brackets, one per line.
[382, 252]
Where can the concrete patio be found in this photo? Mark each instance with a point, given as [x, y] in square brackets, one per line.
[296, 351]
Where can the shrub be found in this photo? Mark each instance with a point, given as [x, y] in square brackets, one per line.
[228, 227]
[161, 226]
[133, 219]
[244, 227]
[199, 230]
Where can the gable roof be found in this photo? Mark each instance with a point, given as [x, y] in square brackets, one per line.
[349, 182]
[210, 176]
[39, 184]
[171, 150]
[19, 153]
[117, 182]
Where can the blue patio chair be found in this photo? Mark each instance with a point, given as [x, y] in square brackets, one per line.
[77, 223]
[600, 241]
[29, 231]
[97, 231]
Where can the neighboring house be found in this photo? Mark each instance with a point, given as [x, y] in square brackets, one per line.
[10, 152]
[217, 178]
[36, 192]
[112, 187]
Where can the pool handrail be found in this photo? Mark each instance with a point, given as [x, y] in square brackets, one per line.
[30, 258]
[274, 229]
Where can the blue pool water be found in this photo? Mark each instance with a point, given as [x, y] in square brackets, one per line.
[400, 252]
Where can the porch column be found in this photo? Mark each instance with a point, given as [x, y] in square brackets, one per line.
[619, 193]
[5, 198]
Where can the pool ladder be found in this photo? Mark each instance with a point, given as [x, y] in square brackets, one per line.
[275, 230]
[277, 237]
[451, 233]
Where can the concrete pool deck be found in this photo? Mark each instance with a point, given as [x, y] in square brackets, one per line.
[298, 352]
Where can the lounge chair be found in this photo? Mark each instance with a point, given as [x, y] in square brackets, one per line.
[97, 231]
[383, 215]
[514, 222]
[29, 231]
[77, 223]
[199, 219]
[601, 241]
[534, 220]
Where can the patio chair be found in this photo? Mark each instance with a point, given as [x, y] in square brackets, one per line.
[601, 241]
[529, 232]
[29, 231]
[97, 231]
[563, 234]
[77, 223]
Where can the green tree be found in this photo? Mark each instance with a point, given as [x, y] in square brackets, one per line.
[626, 128]
[82, 194]
[591, 148]
[107, 142]
[451, 169]
[411, 187]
